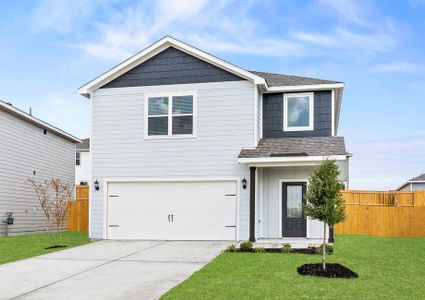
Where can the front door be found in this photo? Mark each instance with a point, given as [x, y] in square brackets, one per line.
[293, 219]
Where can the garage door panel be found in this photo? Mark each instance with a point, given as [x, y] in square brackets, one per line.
[200, 210]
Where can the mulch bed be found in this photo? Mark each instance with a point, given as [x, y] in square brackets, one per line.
[279, 250]
[332, 270]
[55, 247]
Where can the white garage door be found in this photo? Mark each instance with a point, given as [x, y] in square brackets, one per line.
[172, 210]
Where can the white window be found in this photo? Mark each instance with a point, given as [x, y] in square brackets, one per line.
[169, 115]
[298, 111]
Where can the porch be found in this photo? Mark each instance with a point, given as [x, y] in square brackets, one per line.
[279, 173]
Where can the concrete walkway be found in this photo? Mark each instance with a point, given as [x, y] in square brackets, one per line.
[106, 270]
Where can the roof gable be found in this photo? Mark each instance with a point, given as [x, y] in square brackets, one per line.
[171, 66]
[155, 49]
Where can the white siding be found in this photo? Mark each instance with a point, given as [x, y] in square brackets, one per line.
[82, 172]
[259, 116]
[24, 149]
[271, 197]
[225, 124]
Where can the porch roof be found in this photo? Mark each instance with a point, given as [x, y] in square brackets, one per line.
[292, 149]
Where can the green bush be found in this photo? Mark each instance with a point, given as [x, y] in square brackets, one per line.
[329, 249]
[232, 248]
[246, 246]
[259, 250]
[286, 248]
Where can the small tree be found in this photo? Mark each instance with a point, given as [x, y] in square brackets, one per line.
[324, 198]
[53, 196]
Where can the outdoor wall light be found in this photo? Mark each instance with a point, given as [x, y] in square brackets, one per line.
[96, 185]
[244, 183]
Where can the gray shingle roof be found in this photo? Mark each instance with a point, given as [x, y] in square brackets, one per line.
[85, 145]
[418, 178]
[307, 146]
[290, 80]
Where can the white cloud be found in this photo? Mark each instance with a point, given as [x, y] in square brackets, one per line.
[397, 67]
[218, 26]
[346, 10]
[386, 163]
[62, 16]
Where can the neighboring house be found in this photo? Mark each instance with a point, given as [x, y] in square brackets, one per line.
[82, 163]
[186, 146]
[414, 184]
[29, 149]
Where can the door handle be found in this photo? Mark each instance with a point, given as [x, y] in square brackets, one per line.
[172, 218]
[168, 218]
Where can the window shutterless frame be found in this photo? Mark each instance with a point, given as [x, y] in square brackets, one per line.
[170, 96]
[286, 126]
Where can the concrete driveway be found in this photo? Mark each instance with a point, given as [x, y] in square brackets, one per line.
[107, 270]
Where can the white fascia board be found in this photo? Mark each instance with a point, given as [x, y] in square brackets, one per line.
[296, 159]
[31, 119]
[300, 88]
[156, 48]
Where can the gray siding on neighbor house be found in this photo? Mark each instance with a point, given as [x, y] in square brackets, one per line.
[171, 66]
[273, 116]
[24, 149]
[415, 186]
[225, 125]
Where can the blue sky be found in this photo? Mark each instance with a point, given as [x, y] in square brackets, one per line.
[50, 48]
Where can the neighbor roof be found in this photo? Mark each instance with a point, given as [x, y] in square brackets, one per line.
[33, 120]
[273, 79]
[306, 146]
[418, 178]
[85, 145]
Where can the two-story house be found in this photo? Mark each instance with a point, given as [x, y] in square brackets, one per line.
[29, 149]
[186, 146]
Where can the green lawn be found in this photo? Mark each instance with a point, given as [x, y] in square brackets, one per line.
[14, 248]
[388, 268]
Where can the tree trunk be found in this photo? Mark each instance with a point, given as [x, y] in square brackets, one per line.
[324, 246]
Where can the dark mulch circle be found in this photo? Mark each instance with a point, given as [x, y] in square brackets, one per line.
[55, 247]
[332, 270]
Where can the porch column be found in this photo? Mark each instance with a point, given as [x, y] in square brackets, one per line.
[252, 204]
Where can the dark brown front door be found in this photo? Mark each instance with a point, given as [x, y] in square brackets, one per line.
[293, 219]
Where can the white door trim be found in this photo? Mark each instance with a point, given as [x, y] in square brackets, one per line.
[106, 182]
[280, 201]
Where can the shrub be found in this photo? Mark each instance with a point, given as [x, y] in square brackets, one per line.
[286, 248]
[329, 249]
[259, 250]
[247, 246]
[232, 248]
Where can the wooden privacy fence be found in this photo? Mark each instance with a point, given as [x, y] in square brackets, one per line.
[78, 210]
[391, 214]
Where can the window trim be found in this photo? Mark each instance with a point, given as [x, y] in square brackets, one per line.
[311, 112]
[77, 158]
[170, 134]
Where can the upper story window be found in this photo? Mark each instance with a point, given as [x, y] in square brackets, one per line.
[298, 111]
[170, 115]
[77, 158]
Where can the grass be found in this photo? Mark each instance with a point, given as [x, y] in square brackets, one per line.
[13, 248]
[388, 268]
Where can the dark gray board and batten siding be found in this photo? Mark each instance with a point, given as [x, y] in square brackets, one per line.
[171, 66]
[273, 116]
